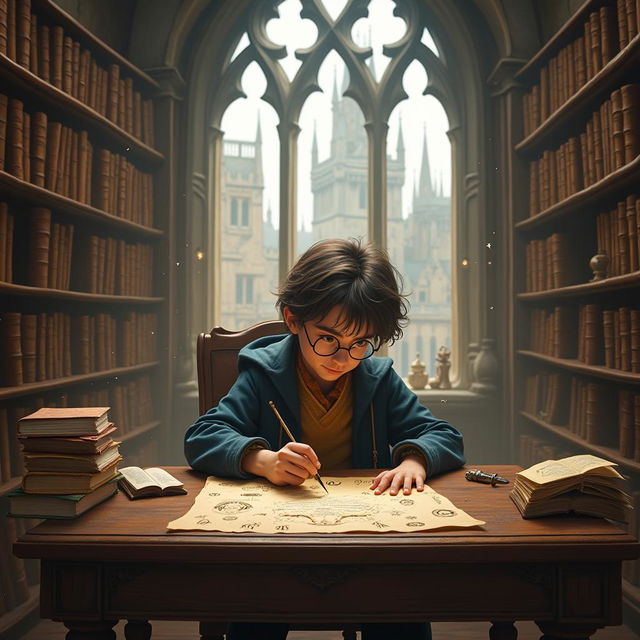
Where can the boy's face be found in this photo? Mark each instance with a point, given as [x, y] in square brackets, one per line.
[325, 369]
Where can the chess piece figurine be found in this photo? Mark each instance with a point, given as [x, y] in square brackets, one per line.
[418, 376]
[442, 370]
[599, 264]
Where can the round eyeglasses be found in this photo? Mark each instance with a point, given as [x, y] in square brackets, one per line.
[327, 345]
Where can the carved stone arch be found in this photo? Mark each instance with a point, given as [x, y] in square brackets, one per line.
[203, 36]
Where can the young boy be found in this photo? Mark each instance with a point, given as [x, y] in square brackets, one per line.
[341, 302]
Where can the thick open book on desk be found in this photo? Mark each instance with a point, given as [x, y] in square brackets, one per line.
[149, 483]
[581, 484]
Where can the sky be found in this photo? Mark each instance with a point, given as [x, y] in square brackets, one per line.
[417, 114]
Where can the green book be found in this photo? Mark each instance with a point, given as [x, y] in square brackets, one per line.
[65, 507]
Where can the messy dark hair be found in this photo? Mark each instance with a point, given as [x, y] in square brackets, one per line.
[358, 277]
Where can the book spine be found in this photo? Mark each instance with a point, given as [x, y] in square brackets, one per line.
[11, 348]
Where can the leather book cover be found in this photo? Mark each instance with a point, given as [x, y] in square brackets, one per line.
[44, 52]
[632, 233]
[608, 34]
[67, 364]
[632, 20]
[14, 152]
[635, 340]
[4, 107]
[54, 138]
[39, 245]
[625, 338]
[92, 89]
[83, 75]
[10, 341]
[137, 115]
[41, 347]
[630, 120]
[622, 238]
[26, 147]
[54, 255]
[617, 129]
[33, 45]
[6, 243]
[72, 189]
[113, 92]
[588, 55]
[62, 160]
[38, 147]
[75, 68]
[28, 326]
[103, 179]
[605, 133]
[23, 33]
[4, 19]
[592, 334]
[57, 55]
[598, 156]
[625, 423]
[122, 107]
[67, 64]
[623, 31]
[609, 339]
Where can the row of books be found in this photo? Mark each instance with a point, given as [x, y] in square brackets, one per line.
[590, 410]
[618, 233]
[551, 262]
[606, 31]
[70, 459]
[51, 53]
[44, 346]
[610, 140]
[60, 159]
[131, 407]
[55, 251]
[609, 337]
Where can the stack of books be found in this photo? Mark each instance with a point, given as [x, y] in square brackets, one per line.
[583, 484]
[71, 462]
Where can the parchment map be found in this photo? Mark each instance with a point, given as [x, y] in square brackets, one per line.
[237, 506]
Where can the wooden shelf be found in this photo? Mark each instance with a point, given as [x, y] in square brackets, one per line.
[58, 16]
[559, 39]
[40, 197]
[550, 131]
[608, 453]
[618, 181]
[579, 367]
[9, 288]
[32, 388]
[614, 283]
[138, 431]
[83, 116]
[15, 616]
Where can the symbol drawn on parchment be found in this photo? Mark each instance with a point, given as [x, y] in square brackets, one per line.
[552, 468]
[325, 514]
[415, 524]
[443, 513]
[248, 495]
[232, 506]
[214, 493]
[229, 517]
[334, 483]
[202, 520]
[406, 502]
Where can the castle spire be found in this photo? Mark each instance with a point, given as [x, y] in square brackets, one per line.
[426, 187]
[314, 145]
[400, 143]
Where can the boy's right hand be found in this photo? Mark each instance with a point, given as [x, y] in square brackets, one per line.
[293, 464]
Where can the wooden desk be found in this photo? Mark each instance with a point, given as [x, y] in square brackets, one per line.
[118, 562]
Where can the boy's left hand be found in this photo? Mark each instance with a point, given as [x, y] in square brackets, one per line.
[411, 471]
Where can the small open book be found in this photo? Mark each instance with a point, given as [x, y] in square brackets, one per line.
[148, 483]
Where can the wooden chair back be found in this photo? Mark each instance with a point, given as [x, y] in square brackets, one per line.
[217, 358]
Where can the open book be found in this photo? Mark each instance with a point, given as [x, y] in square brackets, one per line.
[149, 483]
[581, 484]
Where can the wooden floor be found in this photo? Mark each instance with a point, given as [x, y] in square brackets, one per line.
[47, 630]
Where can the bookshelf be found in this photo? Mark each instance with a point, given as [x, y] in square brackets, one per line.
[577, 351]
[83, 248]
